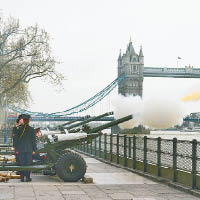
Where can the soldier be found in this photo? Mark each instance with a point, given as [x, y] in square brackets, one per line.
[25, 145]
[19, 121]
[38, 133]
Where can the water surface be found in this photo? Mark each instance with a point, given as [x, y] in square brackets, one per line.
[180, 135]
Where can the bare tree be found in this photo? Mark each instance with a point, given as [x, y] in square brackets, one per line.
[25, 54]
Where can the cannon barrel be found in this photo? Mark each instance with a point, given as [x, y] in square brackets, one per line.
[74, 130]
[61, 145]
[75, 120]
[91, 134]
[108, 125]
[89, 120]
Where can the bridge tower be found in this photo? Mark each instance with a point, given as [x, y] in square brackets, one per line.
[132, 65]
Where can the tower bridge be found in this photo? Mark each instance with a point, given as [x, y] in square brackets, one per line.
[131, 65]
[131, 72]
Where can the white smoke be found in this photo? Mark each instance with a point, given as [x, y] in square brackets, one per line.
[161, 108]
[162, 112]
[154, 112]
[125, 106]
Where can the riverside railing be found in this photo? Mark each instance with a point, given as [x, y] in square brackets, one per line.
[175, 160]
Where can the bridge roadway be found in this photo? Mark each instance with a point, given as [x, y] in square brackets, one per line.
[110, 183]
[187, 72]
[42, 119]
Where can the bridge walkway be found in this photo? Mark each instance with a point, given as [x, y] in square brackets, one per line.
[110, 183]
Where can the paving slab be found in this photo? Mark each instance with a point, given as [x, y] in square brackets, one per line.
[110, 183]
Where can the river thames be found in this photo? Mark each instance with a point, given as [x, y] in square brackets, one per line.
[180, 135]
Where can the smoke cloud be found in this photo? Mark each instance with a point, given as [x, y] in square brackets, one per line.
[126, 106]
[157, 112]
[162, 112]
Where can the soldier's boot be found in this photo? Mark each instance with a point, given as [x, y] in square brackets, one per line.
[28, 178]
[22, 178]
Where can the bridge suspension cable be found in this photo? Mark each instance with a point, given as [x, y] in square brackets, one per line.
[76, 109]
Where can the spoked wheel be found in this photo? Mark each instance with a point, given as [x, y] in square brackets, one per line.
[71, 167]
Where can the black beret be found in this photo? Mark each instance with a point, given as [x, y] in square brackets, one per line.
[25, 116]
[19, 117]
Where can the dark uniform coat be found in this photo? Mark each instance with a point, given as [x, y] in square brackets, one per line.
[24, 139]
[24, 142]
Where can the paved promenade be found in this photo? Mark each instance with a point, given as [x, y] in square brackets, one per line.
[110, 183]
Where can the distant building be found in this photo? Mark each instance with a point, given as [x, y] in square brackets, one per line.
[132, 65]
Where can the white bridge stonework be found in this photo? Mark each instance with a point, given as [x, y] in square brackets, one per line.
[132, 65]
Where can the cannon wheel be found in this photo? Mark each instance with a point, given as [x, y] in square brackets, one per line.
[71, 167]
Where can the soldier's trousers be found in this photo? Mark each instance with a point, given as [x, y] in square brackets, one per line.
[25, 159]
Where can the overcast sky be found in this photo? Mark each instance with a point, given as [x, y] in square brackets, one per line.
[87, 36]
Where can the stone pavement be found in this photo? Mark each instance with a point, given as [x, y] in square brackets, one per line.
[110, 183]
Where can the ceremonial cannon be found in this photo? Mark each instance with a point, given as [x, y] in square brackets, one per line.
[57, 156]
[61, 127]
[71, 128]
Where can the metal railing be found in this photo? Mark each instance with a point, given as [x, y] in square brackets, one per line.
[132, 152]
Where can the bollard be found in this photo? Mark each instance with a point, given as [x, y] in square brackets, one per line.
[129, 147]
[87, 147]
[145, 153]
[111, 146]
[125, 151]
[91, 150]
[81, 147]
[99, 146]
[95, 147]
[117, 148]
[105, 146]
[134, 152]
[194, 163]
[84, 147]
[158, 155]
[174, 158]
